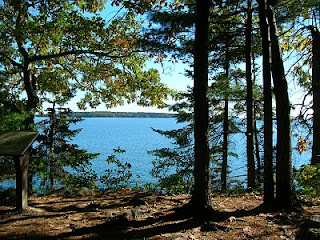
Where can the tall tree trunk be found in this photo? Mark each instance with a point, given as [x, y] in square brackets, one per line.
[267, 97]
[250, 146]
[316, 95]
[284, 173]
[201, 196]
[224, 168]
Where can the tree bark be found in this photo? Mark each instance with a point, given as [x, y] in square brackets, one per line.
[250, 111]
[316, 95]
[32, 96]
[257, 151]
[224, 168]
[267, 108]
[201, 196]
[285, 195]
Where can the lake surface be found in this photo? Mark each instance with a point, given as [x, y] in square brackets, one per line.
[136, 137]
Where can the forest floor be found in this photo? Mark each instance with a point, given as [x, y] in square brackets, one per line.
[128, 214]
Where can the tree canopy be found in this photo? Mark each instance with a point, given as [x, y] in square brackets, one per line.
[61, 48]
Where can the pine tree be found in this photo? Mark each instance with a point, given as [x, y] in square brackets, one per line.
[201, 195]
[58, 161]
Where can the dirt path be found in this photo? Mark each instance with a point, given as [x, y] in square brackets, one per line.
[128, 214]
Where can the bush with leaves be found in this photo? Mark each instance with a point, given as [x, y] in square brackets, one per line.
[119, 176]
[308, 180]
[83, 176]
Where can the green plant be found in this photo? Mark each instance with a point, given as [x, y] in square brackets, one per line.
[308, 180]
[84, 176]
[120, 175]
[56, 160]
[7, 170]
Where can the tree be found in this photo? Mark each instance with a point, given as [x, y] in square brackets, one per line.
[250, 108]
[58, 160]
[306, 68]
[285, 195]
[316, 95]
[174, 167]
[201, 196]
[46, 49]
[226, 36]
[267, 96]
[227, 52]
[225, 123]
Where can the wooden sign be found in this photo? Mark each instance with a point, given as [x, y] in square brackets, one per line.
[17, 144]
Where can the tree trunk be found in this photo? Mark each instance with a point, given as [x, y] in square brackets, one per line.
[250, 146]
[284, 173]
[267, 108]
[257, 151]
[224, 168]
[32, 103]
[51, 136]
[32, 97]
[201, 196]
[255, 132]
[316, 95]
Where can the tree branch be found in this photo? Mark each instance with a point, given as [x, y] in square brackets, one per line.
[78, 52]
[11, 60]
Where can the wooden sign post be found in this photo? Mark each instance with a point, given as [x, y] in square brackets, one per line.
[17, 144]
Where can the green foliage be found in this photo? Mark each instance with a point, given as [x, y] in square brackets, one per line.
[49, 41]
[236, 188]
[119, 176]
[7, 170]
[82, 176]
[173, 167]
[308, 180]
[12, 119]
[56, 159]
[11, 107]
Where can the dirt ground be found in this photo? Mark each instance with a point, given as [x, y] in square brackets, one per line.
[128, 214]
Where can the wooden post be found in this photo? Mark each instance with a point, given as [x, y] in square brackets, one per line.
[21, 165]
[18, 144]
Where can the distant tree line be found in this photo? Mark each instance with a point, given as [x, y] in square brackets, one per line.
[118, 114]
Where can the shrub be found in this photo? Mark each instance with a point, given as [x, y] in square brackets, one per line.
[308, 180]
[119, 176]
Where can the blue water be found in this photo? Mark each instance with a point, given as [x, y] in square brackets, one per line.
[136, 137]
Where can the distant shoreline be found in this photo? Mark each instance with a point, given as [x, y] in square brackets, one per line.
[119, 114]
